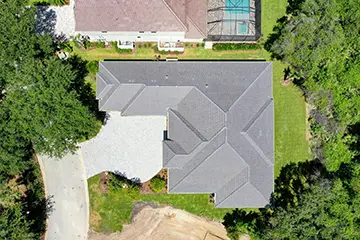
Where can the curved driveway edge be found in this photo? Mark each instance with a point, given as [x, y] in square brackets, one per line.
[66, 184]
[130, 145]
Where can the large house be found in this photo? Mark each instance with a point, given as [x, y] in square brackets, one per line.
[170, 21]
[220, 121]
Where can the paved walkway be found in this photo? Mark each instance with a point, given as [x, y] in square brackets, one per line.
[65, 180]
[130, 145]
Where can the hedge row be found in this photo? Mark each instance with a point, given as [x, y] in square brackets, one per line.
[236, 46]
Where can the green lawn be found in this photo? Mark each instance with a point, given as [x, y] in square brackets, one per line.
[110, 211]
[101, 54]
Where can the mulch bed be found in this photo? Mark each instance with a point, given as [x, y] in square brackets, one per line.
[145, 187]
[104, 180]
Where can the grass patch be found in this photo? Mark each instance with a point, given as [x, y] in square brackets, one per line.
[290, 122]
[109, 212]
[101, 54]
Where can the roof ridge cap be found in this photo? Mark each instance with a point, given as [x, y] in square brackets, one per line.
[188, 124]
[247, 89]
[196, 26]
[201, 162]
[175, 15]
[257, 115]
[201, 92]
[112, 75]
[247, 181]
[257, 148]
[133, 99]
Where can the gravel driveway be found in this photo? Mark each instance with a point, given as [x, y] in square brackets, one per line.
[66, 182]
[131, 145]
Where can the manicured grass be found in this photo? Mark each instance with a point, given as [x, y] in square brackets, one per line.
[271, 10]
[290, 122]
[147, 53]
[114, 209]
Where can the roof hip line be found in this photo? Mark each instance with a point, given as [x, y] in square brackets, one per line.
[247, 89]
[199, 162]
[257, 148]
[253, 119]
[175, 15]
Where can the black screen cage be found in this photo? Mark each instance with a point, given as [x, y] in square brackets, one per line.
[234, 20]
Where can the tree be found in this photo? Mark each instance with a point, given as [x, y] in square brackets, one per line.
[41, 104]
[327, 212]
[13, 224]
[318, 43]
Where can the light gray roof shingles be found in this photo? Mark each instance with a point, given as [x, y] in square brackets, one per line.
[220, 122]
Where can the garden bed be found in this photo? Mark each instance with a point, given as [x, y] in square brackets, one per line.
[145, 188]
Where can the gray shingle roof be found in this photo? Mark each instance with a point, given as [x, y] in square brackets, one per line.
[220, 122]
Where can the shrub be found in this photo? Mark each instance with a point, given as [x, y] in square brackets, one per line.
[66, 46]
[187, 44]
[98, 44]
[92, 67]
[140, 45]
[58, 2]
[86, 44]
[157, 184]
[236, 46]
[198, 45]
[149, 45]
[203, 44]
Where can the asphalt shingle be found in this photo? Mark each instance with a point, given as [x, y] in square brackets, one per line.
[220, 123]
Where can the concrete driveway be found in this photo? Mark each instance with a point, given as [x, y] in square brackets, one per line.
[65, 181]
[130, 145]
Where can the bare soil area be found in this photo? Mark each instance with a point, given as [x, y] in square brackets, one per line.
[154, 223]
[286, 82]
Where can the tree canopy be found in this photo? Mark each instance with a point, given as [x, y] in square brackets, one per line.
[318, 42]
[318, 199]
[45, 107]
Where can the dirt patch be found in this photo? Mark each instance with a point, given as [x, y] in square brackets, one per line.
[95, 219]
[153, 223]
[104, 181]
[286, 82]
[145, 187]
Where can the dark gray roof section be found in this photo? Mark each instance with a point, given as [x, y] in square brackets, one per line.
[220, 122]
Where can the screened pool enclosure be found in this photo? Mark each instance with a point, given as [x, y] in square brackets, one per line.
[234, 20]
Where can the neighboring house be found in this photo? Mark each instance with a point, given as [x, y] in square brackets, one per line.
[220, 122]
[167, 21]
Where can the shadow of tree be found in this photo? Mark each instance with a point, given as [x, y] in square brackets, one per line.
[121, 176]
[86, 94]
[45, 20]
[294, 6]
[280, 24]
[36, 207]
